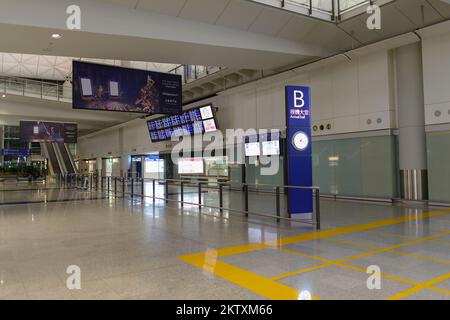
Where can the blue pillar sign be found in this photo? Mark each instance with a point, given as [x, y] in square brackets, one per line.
[299, 151]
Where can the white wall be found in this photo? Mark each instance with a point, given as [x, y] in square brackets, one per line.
[353, 96]
[345, 94]
[436, 73]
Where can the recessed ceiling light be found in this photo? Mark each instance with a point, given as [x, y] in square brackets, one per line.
[56, 36]
[3, 95]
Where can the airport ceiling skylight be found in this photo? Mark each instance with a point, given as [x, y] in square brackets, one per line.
[329, 10]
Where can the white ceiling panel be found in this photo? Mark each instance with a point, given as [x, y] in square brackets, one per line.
[270, 21]
[167, 7]
[442, 6]
[330, 36]
[203, 10]
[357, 28]
[394, 22]
[126, 3]
[239, 14]
[418, 11]
[297, 28]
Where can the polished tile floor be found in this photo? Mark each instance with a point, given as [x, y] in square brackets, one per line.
[143, 250]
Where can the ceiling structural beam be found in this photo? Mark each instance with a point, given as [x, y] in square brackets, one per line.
[198, 90]
[141, 36]
[248, 73]
[234, 77]
[209, 86]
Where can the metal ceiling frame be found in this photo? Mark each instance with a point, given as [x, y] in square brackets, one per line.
[335, 16]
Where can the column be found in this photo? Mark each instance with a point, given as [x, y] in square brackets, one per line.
[125, 165]
[411, 122]
[2, 144]
[99, 165]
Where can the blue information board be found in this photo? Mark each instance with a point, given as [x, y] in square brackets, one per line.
[15, 152]
[299, 151]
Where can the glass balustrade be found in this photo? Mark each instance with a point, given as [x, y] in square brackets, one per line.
[322, 9]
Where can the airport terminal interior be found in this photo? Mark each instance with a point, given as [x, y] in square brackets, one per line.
[225, 150]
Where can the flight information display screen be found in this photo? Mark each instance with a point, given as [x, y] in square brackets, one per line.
[267, 144]
[199, 120]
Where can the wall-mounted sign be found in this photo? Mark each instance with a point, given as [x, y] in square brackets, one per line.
[299, 159]
[111, 88]
[46, 131]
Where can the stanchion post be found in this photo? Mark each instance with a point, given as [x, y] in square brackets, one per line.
[142, 188]
[221, 197]
[153, 190]
[199, 195]
[277, 191]
[123, 187]
[317, 209]
[115, 187]
[132, 187]
[246, 200]
[182, 193]
[166, 191]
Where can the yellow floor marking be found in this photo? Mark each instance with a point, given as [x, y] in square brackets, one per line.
[445, 291]
[379, 233]
[417, 256]
[340, 262]
[297, 272]
[343, 230]
[269, 288]
[343, 265]
[253, 282]
[427, 285]
[443, 242]
[324, 234]
[425, 226]
[354, 244]
[410, 237]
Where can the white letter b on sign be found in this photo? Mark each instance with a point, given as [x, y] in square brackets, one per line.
[299, 101]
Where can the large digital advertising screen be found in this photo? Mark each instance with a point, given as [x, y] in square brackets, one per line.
[111, 88]
[191, 122]
[45, 131]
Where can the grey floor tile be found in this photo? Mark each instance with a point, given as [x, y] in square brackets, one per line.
[270, 262]
[128, 249]
[326, 249]
[427, 295]
[336, 283]
[404, 267]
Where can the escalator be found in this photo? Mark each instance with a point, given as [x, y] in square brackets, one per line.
[53, 164]
[60, 161]
[66, 158]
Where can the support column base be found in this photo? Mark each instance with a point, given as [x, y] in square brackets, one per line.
[414, 185]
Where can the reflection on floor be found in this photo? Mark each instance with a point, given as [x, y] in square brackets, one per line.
[144, 250]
